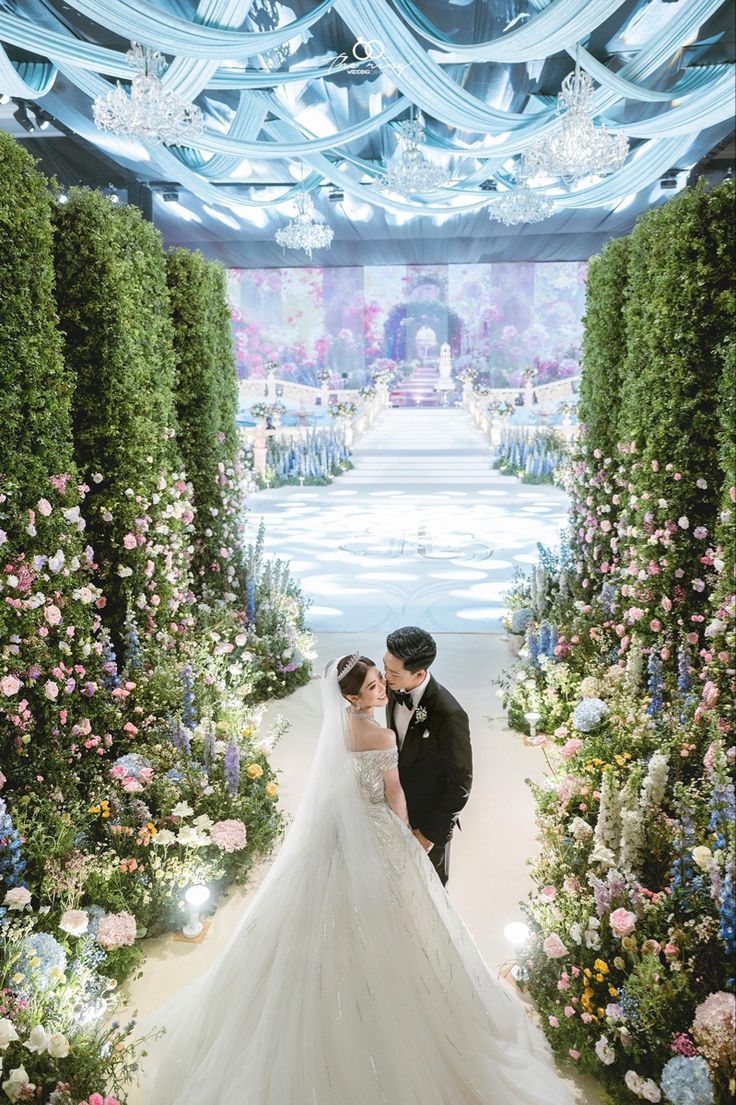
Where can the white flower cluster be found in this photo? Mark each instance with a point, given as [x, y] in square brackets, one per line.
[607, 833]
[655, 784]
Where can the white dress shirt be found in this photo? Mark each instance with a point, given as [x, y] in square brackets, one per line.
[402, 713]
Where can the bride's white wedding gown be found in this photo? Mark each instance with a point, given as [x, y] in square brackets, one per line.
[345, 989]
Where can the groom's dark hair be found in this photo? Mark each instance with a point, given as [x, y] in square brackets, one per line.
[413, 646]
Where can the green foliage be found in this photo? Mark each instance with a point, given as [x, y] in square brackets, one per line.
[679, 309]
[727, 446]
[207, 401]
[35, 387]
[604, 347]
[114, 311]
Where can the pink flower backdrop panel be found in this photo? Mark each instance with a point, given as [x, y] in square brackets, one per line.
[502, 318]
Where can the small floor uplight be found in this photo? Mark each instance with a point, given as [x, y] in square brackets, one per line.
[533, 718]
[195, 897]
[517, 933]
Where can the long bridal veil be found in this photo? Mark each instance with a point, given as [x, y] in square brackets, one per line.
[277, 972]
[350, 980]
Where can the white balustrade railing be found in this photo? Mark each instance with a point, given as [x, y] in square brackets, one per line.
[252, 391]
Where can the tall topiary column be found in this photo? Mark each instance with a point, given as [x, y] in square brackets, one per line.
[114, 311]
[206, 397]
[35, 384]
[679, 310]
[51, 679]
[604, 348]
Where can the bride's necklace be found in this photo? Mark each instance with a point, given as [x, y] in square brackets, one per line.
[360, 715]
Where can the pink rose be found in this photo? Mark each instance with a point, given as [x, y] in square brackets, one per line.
[553, 947]
[10, 685]
[553, 1022]
[549, 893]
[44, 507]
[129, 541]
[571, 748]
[573, 1053]
[623, 922]
[569, 1011]
[51, 690]
[52, 614]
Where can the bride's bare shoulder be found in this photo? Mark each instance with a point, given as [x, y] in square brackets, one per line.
[374, 739]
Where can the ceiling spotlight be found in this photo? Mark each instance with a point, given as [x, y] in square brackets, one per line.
[23, 119]
[170, 197]
[62, 198]
[115, 195]
[336, 195]
[43, 118]
[668, 182]
[4, 98]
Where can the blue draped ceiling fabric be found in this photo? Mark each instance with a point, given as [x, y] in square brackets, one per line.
[294, 90]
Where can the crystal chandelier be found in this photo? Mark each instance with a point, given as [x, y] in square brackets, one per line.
[151, 111]
[409, 171]
[579, 149]
[520, 204]
[303, 232]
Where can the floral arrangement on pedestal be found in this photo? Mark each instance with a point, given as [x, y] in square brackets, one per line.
[500, 408]
[466, 374]
[314, 459]
[629, 670]
[345, 408]
[536, 456]
[130, 668]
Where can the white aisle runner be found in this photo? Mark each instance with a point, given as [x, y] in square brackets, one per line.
[421, 531]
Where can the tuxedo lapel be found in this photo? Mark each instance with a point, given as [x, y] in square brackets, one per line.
[412, 740]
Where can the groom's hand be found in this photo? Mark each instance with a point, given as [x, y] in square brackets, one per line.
[426, 844]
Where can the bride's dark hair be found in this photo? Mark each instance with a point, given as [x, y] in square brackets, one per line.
[355, 678]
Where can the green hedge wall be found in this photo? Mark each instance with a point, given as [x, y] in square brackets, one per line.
[35, 386]
[114, 311]
[604, 347]
[206, 398]
[679, 310]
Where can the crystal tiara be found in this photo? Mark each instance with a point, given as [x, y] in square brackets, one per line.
[348, 667]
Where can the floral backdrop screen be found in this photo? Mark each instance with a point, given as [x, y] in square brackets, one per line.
[501, 318]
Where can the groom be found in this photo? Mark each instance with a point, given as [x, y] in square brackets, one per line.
[432, 732]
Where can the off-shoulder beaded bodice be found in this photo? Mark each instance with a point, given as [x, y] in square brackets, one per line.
[369, 768]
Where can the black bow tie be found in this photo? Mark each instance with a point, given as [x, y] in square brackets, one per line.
[403, 698]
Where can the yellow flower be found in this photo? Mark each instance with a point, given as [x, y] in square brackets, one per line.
[17, 977]
[601, 1012]
[254, 771]
[152, 828]
[248, 731]
[597, 762]
[271, 790]
[599, 978]
[618, 963]
[93, 809]
[612, 991]
[620, 760]
[629, 943]
[35, 962]
[587, 972]
[222, 726]
[601, 966]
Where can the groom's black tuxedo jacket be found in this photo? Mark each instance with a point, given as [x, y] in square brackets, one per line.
[435, 762]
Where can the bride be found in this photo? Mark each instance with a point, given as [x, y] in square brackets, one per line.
[350, 979]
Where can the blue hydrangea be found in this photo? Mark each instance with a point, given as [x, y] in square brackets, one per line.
[520, 619]
[686, 1081]
[42, 946]
[133, 764]
[95, 913]
[589, 713]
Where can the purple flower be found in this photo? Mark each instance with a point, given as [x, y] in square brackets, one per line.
[232, 769]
